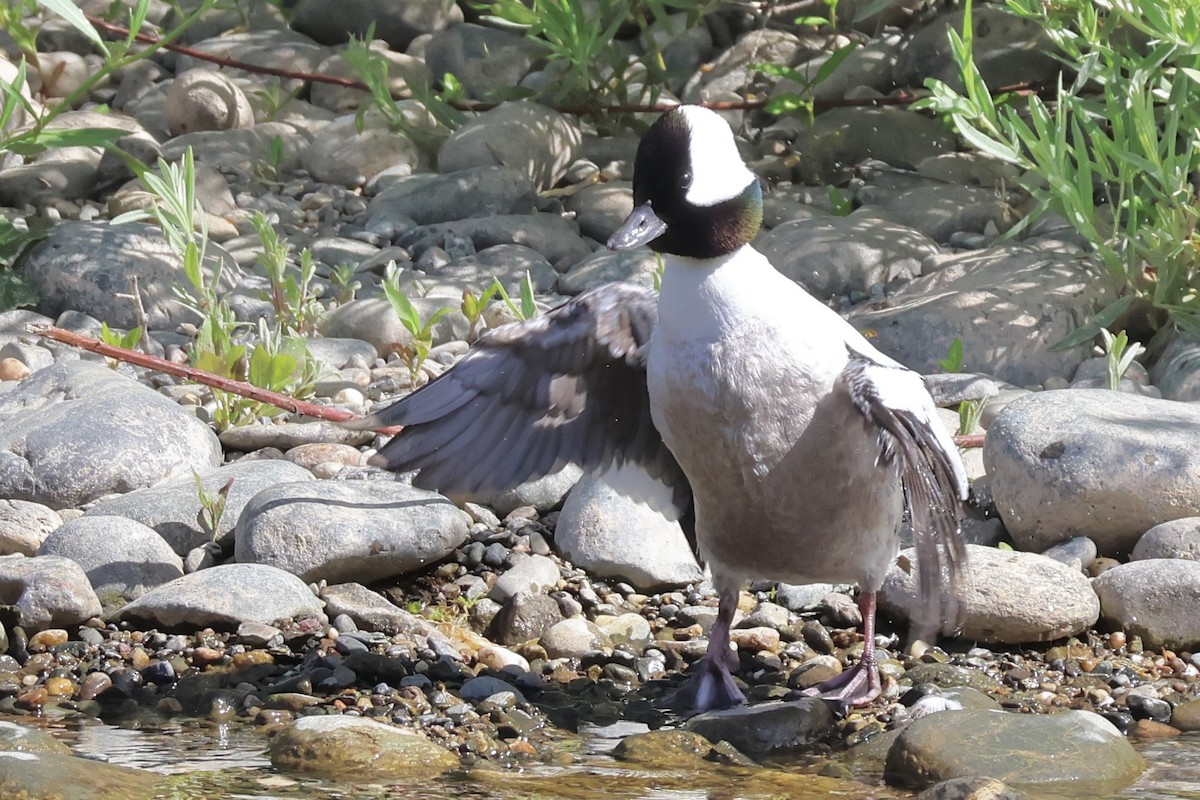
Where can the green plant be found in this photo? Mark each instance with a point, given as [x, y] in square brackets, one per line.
[839, 203]
[343, 280]
[831, 20]
[953, 362]
[127, 340]
[212, 506]
[277, 358]
[969, 412]
[373, 69]
[421, 331]
[474, 305]
[1114, 151]
[578, 38]
[116, 56]
[16, 291]
[806, 80]
[293, 295]
[1118, 353]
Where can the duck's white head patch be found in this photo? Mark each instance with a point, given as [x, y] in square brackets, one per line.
[718, 172]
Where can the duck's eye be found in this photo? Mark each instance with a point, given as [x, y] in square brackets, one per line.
[686, 180]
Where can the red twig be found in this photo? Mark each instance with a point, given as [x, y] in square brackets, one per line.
[241, 388]
[900, 98]
[971, 440]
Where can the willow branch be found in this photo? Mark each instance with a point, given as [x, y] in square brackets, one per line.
[240, 388]
[902, 98]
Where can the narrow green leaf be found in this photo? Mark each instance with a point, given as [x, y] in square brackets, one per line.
[75, 18]
[1105, 317]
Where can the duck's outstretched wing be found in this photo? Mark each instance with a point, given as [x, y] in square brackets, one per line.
[914, 440]
[530, 397]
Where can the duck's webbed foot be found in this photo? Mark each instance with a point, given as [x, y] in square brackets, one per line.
[712, 687]
[860, 684]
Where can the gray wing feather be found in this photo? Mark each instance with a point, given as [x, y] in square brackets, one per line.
[912, 439]
[531, 397]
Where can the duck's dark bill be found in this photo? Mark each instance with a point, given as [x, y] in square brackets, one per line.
[641, 227]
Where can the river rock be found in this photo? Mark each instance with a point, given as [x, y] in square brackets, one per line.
[350, 150]
[374, 320]
[78, 430]
[554, 236]
[46, 592]
[1004, 596]
[638, 266]
[335, 21]
[543, 494]
[1008, 305]
[341, 746]
[573, 638]
[24, 526]
[206, 100]
[123, 559]
[832, 256]
[55, 776]
[761, 728]
[87, 266]
[1074, 749]
[1179, 538]
[16, 738]
[351, 530]
[1007, 50]
[842, 138]
[172, 508]
[607, 532]
[224, 597]
[536, 140]
[525, 617]
[472, 192]
[485, 60]
[1081, 461]
[971, 789]
[1155, 599]
[530, 575]
[1177, 371]
[370, 610]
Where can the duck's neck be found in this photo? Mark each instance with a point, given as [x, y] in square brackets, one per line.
[698, 295]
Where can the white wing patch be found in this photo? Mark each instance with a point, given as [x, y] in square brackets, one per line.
[902, 390]
[718, 172]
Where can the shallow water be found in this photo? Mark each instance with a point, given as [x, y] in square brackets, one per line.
[228, 762]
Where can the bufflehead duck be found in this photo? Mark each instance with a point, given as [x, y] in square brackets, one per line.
[797, 441]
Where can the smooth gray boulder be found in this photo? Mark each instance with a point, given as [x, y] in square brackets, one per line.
[1156, 599]
[473, 192]
[173, 508]
[610, 534]
[831, 256]
[342, 745]
[1008, 305]
[24, 526]
[88, 266]
[1179, 538]
[1092, 462]
[1004, 597]
[1080, 751]
[348, 530]
[77, 431]
[46, 592]
[122, 558]
[224, 597]
[538, 141]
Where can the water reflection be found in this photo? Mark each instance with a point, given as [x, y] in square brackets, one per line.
[228, 762]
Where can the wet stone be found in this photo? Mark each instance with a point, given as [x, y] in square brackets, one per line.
[769, 726]
[1072, 748]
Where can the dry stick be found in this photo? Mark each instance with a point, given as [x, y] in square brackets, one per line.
[901, 98]
[241, 388]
